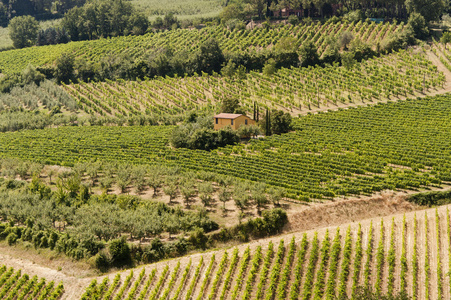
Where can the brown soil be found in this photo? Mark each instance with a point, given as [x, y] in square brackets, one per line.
[351, 210]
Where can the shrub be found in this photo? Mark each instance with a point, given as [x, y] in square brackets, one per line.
[198, 238]
[120, 252]
[101, 261]
[293, 20]
[11, 238]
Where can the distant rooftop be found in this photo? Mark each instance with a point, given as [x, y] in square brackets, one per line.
[227, 116]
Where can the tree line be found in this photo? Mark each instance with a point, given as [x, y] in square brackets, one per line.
[40, 9]
[246, 9]
[93, 20]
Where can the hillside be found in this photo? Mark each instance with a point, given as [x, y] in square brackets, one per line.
[400, 252]
[394, 145]
[180, 40]
[294, 90]
[409, 252]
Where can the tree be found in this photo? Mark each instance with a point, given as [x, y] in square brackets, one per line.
[23, 31]
[30, 74]
[248, 131]
[270, 67]
[232, 11]
[347, 60]
[123, 178]
[3, 15]
[259, 196]
[275, 195]
[138, 175]
[50, 173]
[120, 252]
[332, 52]
[171, 187]
[154, 180]
[64, 68]
[280, 122]
[241, 197]
[431, 10]
[309, 54]
[205, 192]
[345, 39]
[187, 190]
[360, 50]
[418, 23]
[224, 196]
[209, 58]
[231, 105]
[229, 69]
[446, 38]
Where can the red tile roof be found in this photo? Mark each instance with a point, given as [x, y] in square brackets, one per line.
[227, 116]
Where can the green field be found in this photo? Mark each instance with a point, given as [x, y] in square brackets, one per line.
[295, 90]
[401, 145]
[135, 47]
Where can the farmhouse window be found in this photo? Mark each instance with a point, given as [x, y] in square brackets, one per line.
[245, 122]
[232, 121]
[216, 120]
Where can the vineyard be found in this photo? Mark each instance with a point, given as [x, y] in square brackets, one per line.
[182, 9]
[407, 253]
[15, 285]
[180, 40]
[395, 145]
[296, 90]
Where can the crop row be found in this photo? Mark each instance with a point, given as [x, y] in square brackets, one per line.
[402, 145]
[295, 90]
[189, 40]
[15, 285]
[309, 268]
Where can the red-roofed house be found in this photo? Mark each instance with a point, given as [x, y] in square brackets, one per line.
[232, 120]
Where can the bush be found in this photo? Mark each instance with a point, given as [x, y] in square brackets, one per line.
[431, 198]
[293, 20]
[101, 261]
[198, 239]
[120, 252]
[11, 238]
[397, 41]
[274, 220]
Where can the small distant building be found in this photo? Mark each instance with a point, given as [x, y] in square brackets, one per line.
[232, 120]
[286, 12]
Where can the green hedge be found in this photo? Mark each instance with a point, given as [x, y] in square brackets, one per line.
[431, 198]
